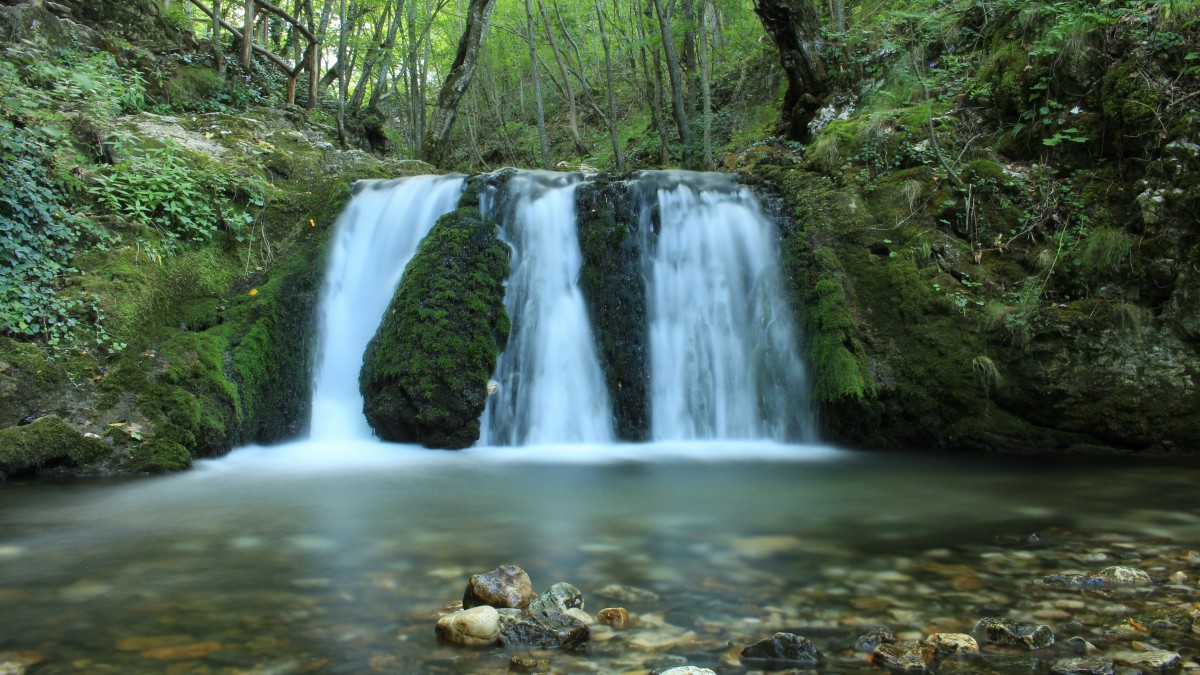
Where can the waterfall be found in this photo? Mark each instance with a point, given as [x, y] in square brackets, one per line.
[723, 348]
[550, 385]
[373, 241]
[724, 354]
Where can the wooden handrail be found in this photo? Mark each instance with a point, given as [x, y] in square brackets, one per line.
[311, 60]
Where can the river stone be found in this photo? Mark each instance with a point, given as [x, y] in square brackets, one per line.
[910, 656]
[1008, 632]
[1154, 661]
[540, 631]
[879, 635]
[1071, 581]
[781, 650]
[630, 594]
[557, 600]
[687, 670]
[17, 662]
[617, 617]
[505, 586]
[1092, 665]
[953, 644]
[1081, 646]
[478, 626]
[1125, 576]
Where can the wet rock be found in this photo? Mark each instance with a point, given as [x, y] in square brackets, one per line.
[540, 631]
[1094, 665]
[505, 586]
[1154, 661]
[1081, 646]
[193, 650]
[910, 656]
[1071, 581]
[581, 616]
[1125, 576]
[557, 600]
[953, 644]
[879, 635]
[687, 670]
[475, 627]
[630, 594]
[1008, 632]
[664, 662]
[617, 617]
[781, 650]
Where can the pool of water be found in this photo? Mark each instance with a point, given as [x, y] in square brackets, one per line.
[335, 557]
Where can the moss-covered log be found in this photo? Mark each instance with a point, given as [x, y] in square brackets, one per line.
[425, 373]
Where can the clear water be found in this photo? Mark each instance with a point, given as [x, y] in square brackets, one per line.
[277, 560]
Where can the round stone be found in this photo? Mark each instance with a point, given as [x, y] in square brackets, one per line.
[475, 627]
[505, 586]
[617, 617]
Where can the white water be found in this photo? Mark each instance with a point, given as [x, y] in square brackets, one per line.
[374, 239]
[724, 353]
[551, 387]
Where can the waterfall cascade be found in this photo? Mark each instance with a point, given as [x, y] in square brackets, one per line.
[724, 352]
[375, 238]
[550, 385]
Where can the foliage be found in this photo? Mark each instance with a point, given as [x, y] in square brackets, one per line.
[160, 188]
[45, 93]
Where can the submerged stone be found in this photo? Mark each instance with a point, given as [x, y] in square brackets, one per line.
[953, 644]
[1008, 632]
[505, 586]
[617, 617]
[630, 594]
[781, 650]
[1093, 665]
[909, 657]
[1125, 576]
[1153, 661]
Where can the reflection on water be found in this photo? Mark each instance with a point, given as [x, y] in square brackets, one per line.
[274, 561]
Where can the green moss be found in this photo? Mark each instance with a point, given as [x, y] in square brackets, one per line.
[425, 372]
[47, 441]
[612, 284]
[1131, 109]
[190, 86]
[1008, 74]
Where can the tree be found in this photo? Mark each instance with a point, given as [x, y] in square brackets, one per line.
[676, 76]
[543, 141]
[435, 146]
[796, 30]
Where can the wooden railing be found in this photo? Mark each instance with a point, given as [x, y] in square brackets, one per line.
[310, 61]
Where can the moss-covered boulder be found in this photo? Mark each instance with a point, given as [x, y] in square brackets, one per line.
[45, 442]
[609, 224]
[425, 373]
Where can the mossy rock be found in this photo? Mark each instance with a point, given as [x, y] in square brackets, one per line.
[608, 225]
[425, 373]
[27, 381]
[1131, 109]
[46, 442]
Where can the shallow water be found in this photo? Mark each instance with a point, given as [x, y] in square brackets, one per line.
[242, 566]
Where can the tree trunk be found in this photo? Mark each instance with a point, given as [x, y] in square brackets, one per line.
[436, 143]
[248, 36]
[706, 85]
[568, 92]
[381, 83]
[218, 56]
[654, 98]
[618, 152]
[673, 70]
[796, 30]
[342, 76]
[543, 141]
[837, 15]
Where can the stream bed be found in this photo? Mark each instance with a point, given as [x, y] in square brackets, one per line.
[334, 557]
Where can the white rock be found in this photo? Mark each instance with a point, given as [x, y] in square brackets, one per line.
[478, 626]
[688, 670]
